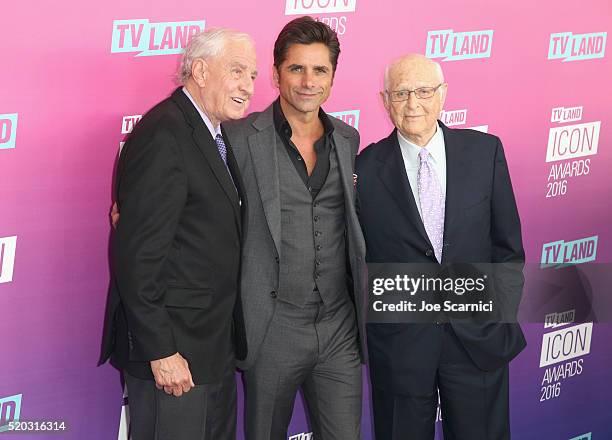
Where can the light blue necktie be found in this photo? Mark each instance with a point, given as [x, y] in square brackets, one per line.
[432, 202]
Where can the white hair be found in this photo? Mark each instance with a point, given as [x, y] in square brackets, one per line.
[412, 56]
[207, 44]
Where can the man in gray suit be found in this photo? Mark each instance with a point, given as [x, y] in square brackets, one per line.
[303, 252]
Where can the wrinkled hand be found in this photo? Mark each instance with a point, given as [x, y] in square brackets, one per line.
[172, 374]
[114, 215]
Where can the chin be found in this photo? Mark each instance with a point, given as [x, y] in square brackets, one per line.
[309, 107]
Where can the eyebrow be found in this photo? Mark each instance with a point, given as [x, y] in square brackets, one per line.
[243, 67]
[318, 66]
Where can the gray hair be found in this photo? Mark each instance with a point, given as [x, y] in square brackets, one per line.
[207, 44]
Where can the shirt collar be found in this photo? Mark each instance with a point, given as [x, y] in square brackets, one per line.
[282, 125]
[435, 146]
[214, 131]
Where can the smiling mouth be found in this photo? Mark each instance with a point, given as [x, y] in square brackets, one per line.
[307, 95]
[239, 100]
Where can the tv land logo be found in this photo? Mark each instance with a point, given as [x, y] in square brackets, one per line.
[457, 118]
[8, 130]
[559, 319]
[586, 436]
[8, 246]
[455, 46]
[128, 123]
[10, 410]
[148, 39]
[569, 142]
[562, 354]
[310, 7]
[566, 114]
[576, 47]
[350, 117]
[562, 253]
[302, 436]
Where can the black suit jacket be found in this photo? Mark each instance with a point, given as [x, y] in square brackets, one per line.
[176, 250]
[481, 226]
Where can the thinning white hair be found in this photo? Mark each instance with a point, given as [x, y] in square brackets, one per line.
[411, 56]
[207, 44]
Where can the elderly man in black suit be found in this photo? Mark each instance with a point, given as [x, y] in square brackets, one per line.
[174, 323]
[430, 194]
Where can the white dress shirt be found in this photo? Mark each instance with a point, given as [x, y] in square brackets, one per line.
[410, 154]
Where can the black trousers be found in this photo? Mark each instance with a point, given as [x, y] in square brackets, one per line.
[474, 402]
[206, 412]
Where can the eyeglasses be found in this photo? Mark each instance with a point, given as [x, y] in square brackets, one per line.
[420, 93]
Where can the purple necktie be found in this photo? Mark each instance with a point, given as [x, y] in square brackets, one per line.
[432, 202]
[222, 148]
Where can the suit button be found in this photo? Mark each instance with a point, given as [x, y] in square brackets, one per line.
[276, 259]
[315, 205]
[429, 252]
[273, 294]
[317, 263]
[318, 247]
[317, 233]
[316, 218]
[317, 276]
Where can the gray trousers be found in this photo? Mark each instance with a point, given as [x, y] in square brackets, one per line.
[315, 348]
[206, 412]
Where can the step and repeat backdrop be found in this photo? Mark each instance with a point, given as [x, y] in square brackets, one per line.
[75, 77]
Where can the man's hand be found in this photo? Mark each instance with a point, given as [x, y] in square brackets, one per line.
[172, 374]
[114, 215]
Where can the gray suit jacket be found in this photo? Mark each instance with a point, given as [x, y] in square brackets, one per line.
[253, 141]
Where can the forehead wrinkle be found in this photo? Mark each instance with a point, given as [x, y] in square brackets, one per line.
[415, 67]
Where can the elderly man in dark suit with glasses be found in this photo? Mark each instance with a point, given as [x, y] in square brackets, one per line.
[430, 194]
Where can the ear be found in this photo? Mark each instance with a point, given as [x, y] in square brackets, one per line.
[385, 100]
[443, 90]
[199, 71]
[275, 77]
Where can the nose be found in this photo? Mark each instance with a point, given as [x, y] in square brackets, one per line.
[247, 85]
[412, 102]
[308, 79]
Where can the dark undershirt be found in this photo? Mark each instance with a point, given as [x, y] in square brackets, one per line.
[322, 146]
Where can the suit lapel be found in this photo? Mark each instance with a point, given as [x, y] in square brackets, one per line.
[262, 146]
[207, 146]
[456, 175]
[394, 178]
[343, 153]
[237, 181]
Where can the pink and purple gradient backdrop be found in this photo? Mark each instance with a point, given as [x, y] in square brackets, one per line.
[70, 92]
